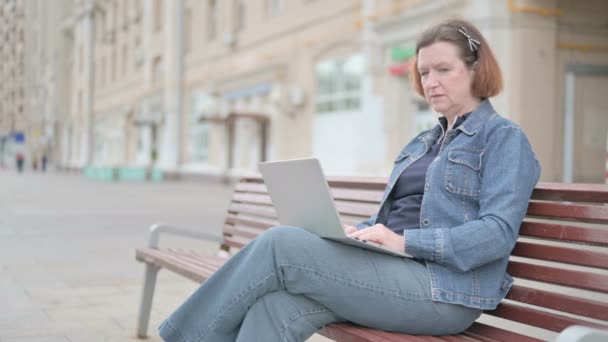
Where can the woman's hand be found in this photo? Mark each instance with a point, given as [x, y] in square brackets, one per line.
[381, 235]
[349, 229]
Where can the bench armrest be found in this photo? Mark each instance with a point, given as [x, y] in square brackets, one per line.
[157, 229]
[578, 333]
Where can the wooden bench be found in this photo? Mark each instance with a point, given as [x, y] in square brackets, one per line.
[560, 261]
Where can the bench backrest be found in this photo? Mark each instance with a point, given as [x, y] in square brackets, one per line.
[560, 262]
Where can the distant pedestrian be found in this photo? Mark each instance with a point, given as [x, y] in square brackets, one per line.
[20, 160]
[43, 163]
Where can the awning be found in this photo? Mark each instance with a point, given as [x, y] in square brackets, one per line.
[402, 68]
[403, 58]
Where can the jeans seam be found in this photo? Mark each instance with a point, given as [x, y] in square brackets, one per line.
[296, 316]
[231, 304]
[361, 285]
[176, 330]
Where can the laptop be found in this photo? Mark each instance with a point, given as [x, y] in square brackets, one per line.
[301, 197]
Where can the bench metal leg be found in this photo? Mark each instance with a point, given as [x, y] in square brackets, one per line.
[146, 300]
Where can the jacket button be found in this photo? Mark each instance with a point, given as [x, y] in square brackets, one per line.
[427, 186]
[426, 222]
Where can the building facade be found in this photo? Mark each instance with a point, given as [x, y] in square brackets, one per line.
[12, 88]
[213, 87]
[47, 86]
[554, 58]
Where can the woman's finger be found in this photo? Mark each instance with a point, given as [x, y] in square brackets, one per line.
[349, 229]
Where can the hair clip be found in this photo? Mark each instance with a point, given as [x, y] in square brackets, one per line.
[473, 43]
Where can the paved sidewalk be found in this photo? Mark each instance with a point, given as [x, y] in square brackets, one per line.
[67, 266]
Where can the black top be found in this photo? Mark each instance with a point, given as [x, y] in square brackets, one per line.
[408, 190]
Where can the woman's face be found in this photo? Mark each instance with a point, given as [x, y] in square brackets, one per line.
[445, 79]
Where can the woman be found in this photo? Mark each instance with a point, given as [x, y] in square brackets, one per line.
[455, 201]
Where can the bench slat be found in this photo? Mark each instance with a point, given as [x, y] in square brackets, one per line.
[541, 319]
[252, 198]
[233, 243]
[344, 208]
[251, 187]
[164, 260]
[253, 222]
[575, 192]
[562, 232]
[263, 211]
[561, 254]
[231, 231]
[206, 263]
[350, 332]
[559, 276]
[559, 302]
[597, 193]
[579, 212]
[359, 195]
[360, 183]
[356, 209]
[499, 334]
[476, 337]
[457, 338]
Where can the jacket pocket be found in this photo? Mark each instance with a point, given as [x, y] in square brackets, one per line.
[462, 171]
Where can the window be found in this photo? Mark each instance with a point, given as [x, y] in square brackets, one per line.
[81, 58]
[199, 131]
[99, 26]
[199, 142]
[339, 84]
[115, 15]
[137, 54]
[125, 14]
[102, 73]
[157, 70]
[275, 7]
[158, 15]
[212, 19]
[187, 30]
[113, 66]
[125, 58]
[241, 15]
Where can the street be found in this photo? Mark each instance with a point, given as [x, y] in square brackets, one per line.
[67, 266]
[67, 263]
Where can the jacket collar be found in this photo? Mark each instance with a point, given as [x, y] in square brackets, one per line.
[469, 127]
[477, 118]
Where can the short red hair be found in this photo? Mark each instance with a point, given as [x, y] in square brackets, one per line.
[487, 81]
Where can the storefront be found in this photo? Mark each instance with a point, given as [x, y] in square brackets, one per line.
[148, 125]
[10, 145]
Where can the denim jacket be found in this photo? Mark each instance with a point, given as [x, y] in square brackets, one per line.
[476, 195]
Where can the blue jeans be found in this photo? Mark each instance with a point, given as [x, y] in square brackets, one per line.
[289, 283]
